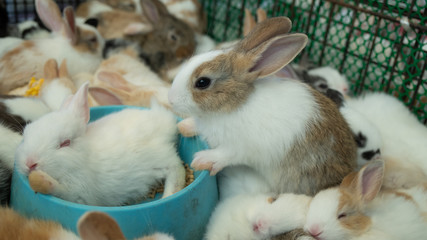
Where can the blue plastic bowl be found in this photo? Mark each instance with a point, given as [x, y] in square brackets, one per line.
[184, 214]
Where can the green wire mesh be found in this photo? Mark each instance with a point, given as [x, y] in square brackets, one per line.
[380, 45]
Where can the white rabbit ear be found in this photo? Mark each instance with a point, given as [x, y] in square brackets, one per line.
[370, 179]
[70, 25]
[79, 103]
[104, 97]
[50, 15]
[98, 225]
[276, 53]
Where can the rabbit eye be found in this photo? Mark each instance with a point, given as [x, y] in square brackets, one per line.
[203, 83]
[65, 143]
[342, 215]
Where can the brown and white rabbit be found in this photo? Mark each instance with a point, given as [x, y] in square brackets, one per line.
[15, 226]
[291, 134]
[79, 43]
[357, 209]
[95, 225]
[189, 11]
[100, 162]
[169, 44]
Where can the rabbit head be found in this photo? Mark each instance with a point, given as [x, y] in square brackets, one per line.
[171, 41]
[83, 36]
[338, 213]
[54, 143]
[222, 80]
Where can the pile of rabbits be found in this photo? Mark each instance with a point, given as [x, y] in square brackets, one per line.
[296, 156]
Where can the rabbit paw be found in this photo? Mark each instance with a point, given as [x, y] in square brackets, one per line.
[187, 127]
[208, 160]
[41, 182]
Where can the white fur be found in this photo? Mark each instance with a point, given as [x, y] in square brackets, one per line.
[9, 141]
[112, 161]
[334, 78]
[286, 213]
[97, 7]
[235, 180]
[360, 124]
[204, 43]
[231, 218]
[8, 43]
[404, 137]
[55, 93]
[233, 136]
[392, 217]
[28, 108]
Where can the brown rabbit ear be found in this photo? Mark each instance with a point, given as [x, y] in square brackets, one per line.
[261, 15]
[114, 80]
[70, 25]
[63, 70]
[275, 54]
[154, 10]
[50, 14]
[98, 225]
[51, 69]
[264, 31]
[370, 179]
[104, 97]
[249, 22]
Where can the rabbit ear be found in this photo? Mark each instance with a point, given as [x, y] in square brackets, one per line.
[287, 72]
[154, 10]
[51, 69]
[98, 225]
[50, 15]
[249, 22]
[79, 103]
[261, 15]
[370, 179]
[63, 70]
[104, 97]
[114, 79]
[264, 31]
[70, 25]
[273, 55]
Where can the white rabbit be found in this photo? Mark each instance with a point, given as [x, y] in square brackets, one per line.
[366, 134]
[257, 216]
[231, 218]
[404, 137]
[334, 79]
[79, 43]
[99, 163]
[358, 210]
[289, 133]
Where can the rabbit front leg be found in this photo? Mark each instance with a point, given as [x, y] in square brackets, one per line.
[213, 160]
[175, 180]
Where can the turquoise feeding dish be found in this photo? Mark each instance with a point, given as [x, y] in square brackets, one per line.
[184, 215]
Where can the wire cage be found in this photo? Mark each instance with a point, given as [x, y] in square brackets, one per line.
[380, 45]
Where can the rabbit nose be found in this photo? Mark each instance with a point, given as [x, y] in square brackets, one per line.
[315, 231]
[31, 164]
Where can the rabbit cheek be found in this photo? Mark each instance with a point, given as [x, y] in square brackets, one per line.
[184, 51]
[358, 223]
[89, 42]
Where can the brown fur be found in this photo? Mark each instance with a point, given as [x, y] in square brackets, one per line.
[85, 42]
[41, 182]
[327, 168]
[292, 235]
[401, 174]
[15, 226]
[231, 88]
[112, 24]
[14, 73]
[98, 225]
